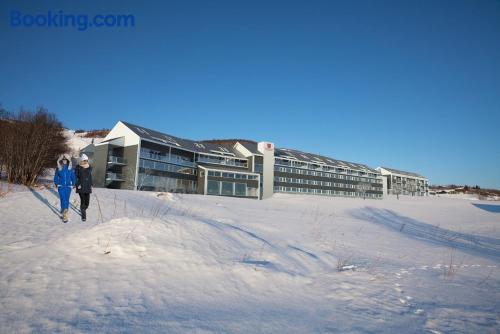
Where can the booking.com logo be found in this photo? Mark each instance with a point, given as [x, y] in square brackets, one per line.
[61, 20]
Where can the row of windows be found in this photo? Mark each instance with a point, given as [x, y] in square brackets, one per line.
[325, 192]
[365, 186]
[149, 164]
[323, 174]
[224, 188]
[407, 192]
[172, 158]
[232, 175]
[409, 181]
[408, 187]
[227, 161]
[163, 183]
[301, 164]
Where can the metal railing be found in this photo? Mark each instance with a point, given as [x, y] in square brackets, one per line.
[223, 161]
[174, 159]
[116, 160]
[114, 177]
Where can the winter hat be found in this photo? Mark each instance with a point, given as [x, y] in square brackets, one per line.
[84, 157]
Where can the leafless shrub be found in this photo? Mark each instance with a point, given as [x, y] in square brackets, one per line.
[450, 269]
[343, 263]
[30, 142]
[101, 216]
[114, 205]
[96, 133]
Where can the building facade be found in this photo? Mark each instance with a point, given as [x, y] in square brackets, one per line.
[300, 172]
[397, 182]
[136, 158]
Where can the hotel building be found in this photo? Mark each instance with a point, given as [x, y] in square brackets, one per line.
[137, 158]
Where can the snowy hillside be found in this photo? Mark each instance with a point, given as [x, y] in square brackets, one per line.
[78, 141]
[148, 262]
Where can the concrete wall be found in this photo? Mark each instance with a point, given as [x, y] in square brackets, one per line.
[99, 165]
[129, 171]
[267, 150]
[201, 181]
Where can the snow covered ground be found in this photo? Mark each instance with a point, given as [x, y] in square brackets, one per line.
[148, 262]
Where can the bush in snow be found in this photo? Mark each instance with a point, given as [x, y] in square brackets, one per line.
[30, 142]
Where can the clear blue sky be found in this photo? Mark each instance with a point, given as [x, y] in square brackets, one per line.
[413, 85]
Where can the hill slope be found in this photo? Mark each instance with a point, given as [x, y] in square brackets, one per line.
[188, 263]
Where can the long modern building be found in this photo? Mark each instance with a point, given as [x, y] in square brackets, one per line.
[133, 157]
[300, 172]
[398, 182]
[137, 158]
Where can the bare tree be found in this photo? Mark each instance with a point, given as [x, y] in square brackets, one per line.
[30, 142]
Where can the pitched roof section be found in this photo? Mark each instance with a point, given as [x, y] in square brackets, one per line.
[248, 144]
[186, 144]
[395, 171]
[320, 159]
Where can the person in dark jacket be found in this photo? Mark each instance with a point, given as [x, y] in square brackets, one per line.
[84, 184]
[64, 179]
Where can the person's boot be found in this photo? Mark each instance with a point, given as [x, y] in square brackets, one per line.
[84, 214]
[65, 215]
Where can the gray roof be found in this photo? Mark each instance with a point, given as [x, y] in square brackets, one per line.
[316, 158]
[250, 145]
[396, 171]
[186, 144]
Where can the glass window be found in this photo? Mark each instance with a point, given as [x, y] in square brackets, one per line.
[227, 188]
[240, 189]
[213, 187]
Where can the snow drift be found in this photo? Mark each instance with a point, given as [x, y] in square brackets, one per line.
[188, 263]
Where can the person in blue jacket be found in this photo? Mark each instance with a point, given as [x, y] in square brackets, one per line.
[64, 179]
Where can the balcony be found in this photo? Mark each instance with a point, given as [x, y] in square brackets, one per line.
[113, 177]
[114, 160]
[223, 161]
[174, 159]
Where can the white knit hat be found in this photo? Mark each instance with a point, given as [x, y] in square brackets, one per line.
[84, 157]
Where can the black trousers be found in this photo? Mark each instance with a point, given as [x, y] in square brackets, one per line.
[84, 201]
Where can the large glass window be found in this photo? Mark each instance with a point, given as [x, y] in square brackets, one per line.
[227, 188]
[240, 189]
[213, 187]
